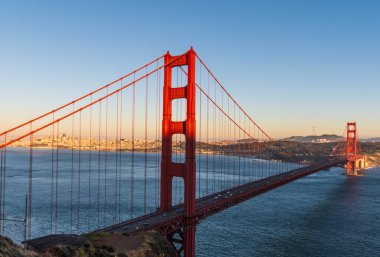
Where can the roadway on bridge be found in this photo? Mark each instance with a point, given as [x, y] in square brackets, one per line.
[217, 202]
[171, 221]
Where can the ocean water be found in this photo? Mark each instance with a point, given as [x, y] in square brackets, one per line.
[325, 214]
[78, 192]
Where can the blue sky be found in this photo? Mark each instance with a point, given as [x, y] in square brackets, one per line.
[291, 64]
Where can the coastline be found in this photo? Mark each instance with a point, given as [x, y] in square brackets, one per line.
[295, 152]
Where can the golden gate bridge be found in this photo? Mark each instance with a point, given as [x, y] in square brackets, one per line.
[160, 148]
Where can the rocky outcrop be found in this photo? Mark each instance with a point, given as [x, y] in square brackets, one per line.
[144, 244]
[373, 159]
[10, 249]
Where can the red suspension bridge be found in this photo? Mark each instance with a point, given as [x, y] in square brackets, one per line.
[157, 149]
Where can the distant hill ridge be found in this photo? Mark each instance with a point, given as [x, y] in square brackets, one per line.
[325, 138]
[374, 139]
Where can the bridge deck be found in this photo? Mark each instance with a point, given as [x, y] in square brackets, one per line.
[168, 222]
[217, 202]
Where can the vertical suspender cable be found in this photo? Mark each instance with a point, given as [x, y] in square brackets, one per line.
[260, 175]
[222, 146]
[105, 163]
[207, 135]
[223, 127]
[216, 139]
[120, 147]
[72, 171]
[79, 171]
[262, 153]
[234, 148]
[146, 138]
[4, 180]
[159, 133]
[56, 181]
[52, 178]
[229, 143]
[238, 148]
[244, 151]
[200, 132]
[157, 162]
[249, 154]
[89, 169]
[117, 142]
[30, 184]
[133, 144]
[99, 157]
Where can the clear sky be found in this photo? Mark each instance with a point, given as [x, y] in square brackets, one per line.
[291, 64]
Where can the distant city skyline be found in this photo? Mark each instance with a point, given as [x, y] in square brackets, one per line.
[297, 67]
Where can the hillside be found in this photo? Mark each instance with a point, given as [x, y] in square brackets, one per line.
[373, 140]
[326, 138]
[312, 152]
[144, 244]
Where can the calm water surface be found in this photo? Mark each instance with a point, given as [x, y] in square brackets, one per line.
[325, 214]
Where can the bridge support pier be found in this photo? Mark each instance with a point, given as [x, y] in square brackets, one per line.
[186, 170]
[189, 236]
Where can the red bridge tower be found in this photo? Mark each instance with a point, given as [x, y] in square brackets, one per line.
[186, 170]
[351, 149]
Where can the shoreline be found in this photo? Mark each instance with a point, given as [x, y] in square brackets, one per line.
[150, 151]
